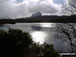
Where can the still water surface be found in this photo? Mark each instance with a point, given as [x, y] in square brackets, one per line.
[40, 32]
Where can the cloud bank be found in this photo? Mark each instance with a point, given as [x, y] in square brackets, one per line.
[12, 9]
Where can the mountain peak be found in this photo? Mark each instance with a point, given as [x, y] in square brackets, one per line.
[36, 14]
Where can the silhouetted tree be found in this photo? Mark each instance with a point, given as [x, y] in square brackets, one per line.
[70, 8]
[14, 43]
[49, 51]
[68, 31]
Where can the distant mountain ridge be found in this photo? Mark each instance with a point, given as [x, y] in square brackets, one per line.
[43, 19]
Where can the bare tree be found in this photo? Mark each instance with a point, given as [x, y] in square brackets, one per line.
[70, 7]
[69, 29]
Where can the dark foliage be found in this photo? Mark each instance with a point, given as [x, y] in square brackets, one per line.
[39, 19]
[15, 43]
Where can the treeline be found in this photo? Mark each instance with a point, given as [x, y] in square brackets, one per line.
[52, 19]
[15, 43]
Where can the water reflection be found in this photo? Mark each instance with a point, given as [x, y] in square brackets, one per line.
[40, 32]
[46, 24]
[38, 36]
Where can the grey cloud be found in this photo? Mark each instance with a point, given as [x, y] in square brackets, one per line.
[28, 10]
[41, 1]
[43, 8]
[8, 9]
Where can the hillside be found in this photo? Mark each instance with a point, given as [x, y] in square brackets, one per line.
[39, 19]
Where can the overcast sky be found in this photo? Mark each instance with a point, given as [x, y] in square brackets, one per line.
[25, 8]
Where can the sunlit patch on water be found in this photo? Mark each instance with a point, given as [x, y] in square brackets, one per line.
[38, 36]
[46, 24]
